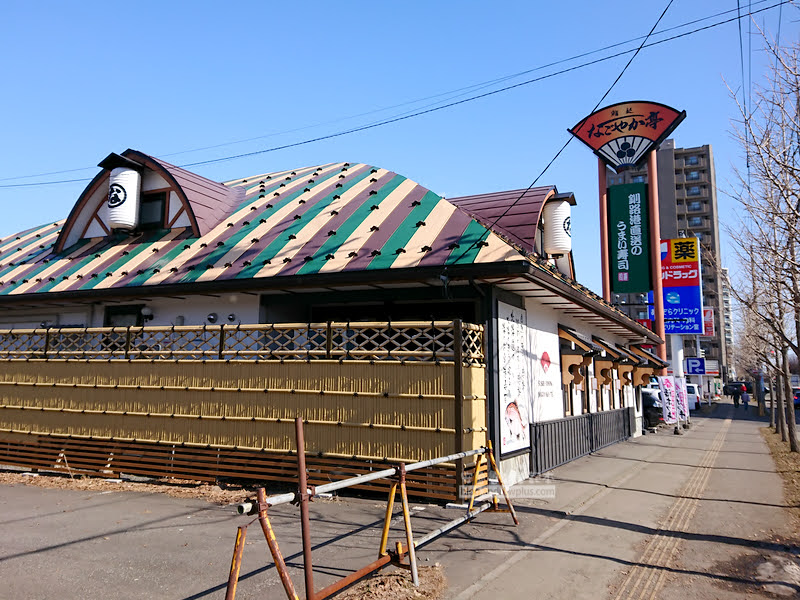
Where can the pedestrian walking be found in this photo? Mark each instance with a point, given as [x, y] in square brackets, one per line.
[737, 392]
[745, 399]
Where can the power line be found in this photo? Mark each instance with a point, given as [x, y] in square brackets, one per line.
[463, 90]
[571, 137]
[426, 111]
[449, 94]
[465, 100]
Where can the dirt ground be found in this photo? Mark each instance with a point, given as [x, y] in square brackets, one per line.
[397, 586]
[177, 488]
[788, 466]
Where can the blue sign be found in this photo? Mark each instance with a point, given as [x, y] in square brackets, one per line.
[695, 366]
[683, 310]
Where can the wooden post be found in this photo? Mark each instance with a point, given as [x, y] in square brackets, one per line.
[458, 393]
[655, 253]
[221, 349]
[604, 259]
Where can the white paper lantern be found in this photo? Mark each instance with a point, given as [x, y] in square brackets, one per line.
[123, 198]
[557, 235]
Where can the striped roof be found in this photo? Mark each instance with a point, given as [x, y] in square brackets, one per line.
[333, 218]
[513, 213]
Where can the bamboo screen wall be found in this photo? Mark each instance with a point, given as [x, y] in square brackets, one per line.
[154, 401]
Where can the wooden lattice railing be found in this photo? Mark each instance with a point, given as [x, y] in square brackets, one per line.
[413, 341]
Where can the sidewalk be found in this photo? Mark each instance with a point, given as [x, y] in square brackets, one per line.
[661, 516]
[657, 516]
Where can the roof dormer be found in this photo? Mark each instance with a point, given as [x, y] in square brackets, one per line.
[135, 193]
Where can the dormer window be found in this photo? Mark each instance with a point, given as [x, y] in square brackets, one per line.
[152, 211]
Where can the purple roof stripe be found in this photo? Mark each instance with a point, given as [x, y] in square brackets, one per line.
[78, 259]
[451, 232]
[316, 242]
[180, 240]
[277, 230]
[387, 227]
[201, 257]
[12, 242]
[30, 251]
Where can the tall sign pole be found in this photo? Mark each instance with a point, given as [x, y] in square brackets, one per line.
[604, 261]
[655, 252]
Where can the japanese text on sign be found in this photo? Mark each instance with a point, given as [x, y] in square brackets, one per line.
[624, 124]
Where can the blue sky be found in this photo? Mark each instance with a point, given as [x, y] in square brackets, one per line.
[88, 78]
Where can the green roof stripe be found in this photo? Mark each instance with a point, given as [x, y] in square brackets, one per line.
[274, 247]
[120, 262]
[346, 229]
[29, 259]
[107, 247]
[244, 232]
[179, 249]
[31, 274]
[404, 232]
[468, 248]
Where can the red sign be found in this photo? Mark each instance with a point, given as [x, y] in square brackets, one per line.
[623, 133]
[680, 278]
[680, 262]
[708, 322]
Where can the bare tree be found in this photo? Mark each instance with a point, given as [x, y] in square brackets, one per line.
[766, 238]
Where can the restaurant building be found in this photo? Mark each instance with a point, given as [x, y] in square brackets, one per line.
[175, 326]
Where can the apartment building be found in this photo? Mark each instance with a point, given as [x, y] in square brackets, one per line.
[688, 208]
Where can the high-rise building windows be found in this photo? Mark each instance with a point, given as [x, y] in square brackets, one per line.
[693, 176]
[638, 179]
[695, 221]
[692, 160]
[693, 190]
[694, 205]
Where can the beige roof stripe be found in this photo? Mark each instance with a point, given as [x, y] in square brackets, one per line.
[89, 268]
[195, 248]
[26, 265]
[497, 251]
[12, 242]
[250, 179]
[424, 236]
[55, 266]
[312, 227]
[241, 247]
[131, 265]
[358, 238]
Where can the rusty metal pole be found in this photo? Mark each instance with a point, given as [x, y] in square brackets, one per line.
[272, 542]
[502, 485]
[655, 252]
[236, 563]
[302, 495]
[604, 260]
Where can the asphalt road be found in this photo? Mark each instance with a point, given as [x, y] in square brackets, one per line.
[652, 517]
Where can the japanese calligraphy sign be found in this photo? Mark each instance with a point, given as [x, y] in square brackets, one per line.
[514, 379]
[629, 246]
[669, 404]
[680, 279]
[622, 134]
[682, 398]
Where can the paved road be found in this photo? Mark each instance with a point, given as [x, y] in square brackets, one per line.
[663, 516]
[649, 518]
